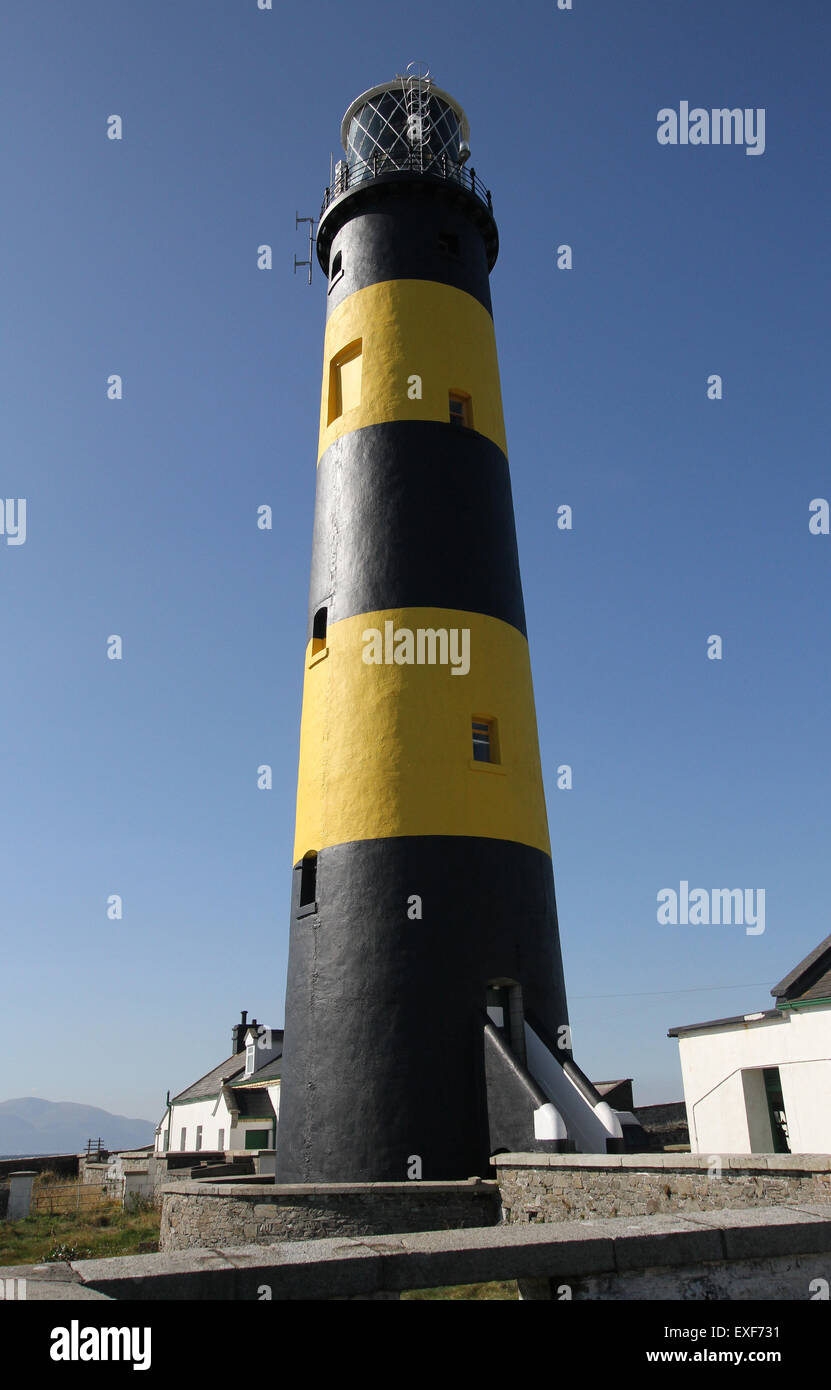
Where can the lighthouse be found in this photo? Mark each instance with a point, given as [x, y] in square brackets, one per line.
[426, 1019]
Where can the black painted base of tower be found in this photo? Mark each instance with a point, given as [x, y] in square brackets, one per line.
[384, 1059]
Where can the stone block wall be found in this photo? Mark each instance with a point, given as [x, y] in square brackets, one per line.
[569, 1187]
[204, 1215]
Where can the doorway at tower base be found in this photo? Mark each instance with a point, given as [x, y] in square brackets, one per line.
[547, 1105]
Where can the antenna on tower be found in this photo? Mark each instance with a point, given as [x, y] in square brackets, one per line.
[297, 221]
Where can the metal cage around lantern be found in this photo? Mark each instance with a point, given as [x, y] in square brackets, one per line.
[405, 126]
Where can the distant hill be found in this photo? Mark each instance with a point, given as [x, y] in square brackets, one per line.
[31, 1126]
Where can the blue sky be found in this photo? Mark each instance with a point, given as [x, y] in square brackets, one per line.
[138, 257]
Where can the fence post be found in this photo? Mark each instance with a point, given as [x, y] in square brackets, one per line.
[20, 1195]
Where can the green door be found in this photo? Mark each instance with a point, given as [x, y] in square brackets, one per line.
[257, 1138]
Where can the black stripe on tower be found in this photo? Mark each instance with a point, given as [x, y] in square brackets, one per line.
[415, 513]
[384, 1055]
[407, 228]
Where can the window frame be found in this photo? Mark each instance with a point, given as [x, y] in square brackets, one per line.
[463, 419]
[479, 722]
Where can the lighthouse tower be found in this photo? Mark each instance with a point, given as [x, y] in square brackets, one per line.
[426, 1021]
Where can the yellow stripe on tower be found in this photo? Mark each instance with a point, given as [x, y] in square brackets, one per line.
[386, 750]
[382, 336]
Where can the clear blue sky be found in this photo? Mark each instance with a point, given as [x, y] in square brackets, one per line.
[138, 257]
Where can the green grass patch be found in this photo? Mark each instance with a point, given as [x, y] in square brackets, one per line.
[100, 1228]
[506, 1289]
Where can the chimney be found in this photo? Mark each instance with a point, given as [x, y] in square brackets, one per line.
[238, 1033]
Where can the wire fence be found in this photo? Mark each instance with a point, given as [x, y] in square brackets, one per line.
[51, 1198]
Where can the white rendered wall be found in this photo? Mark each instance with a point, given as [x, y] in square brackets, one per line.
[213, 1115]
[724, 1109]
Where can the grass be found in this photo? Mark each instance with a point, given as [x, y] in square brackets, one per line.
[58, 1229]
[505, 1290]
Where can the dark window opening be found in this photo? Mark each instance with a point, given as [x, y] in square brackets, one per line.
[497, 1006]
[308, 880]
[505, 1011]
[449, 242]
[776, 1110]
[319, 631]
[337, 265]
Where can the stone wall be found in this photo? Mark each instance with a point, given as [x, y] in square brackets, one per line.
[774, 1254]
[259, 1212]
[567, 1187]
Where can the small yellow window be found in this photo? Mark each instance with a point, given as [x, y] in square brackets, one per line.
[345, 380]
[461, 412]
[485, 742]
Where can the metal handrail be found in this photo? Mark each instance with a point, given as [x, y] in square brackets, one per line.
[359, 171]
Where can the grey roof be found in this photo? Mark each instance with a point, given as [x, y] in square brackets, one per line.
[211, 1084]
[231, 1071]
[724, 1022]
[270, 1072]
[811, 979]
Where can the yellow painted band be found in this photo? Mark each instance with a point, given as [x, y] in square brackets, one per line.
[386, 749]
[406, 329]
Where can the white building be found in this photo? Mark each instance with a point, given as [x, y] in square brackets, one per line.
[234, 1107]
[761, 1082]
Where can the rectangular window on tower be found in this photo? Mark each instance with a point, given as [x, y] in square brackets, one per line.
[319, 624]
[485, 743]
[308, 883]
[345, 380]
[461, 411]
